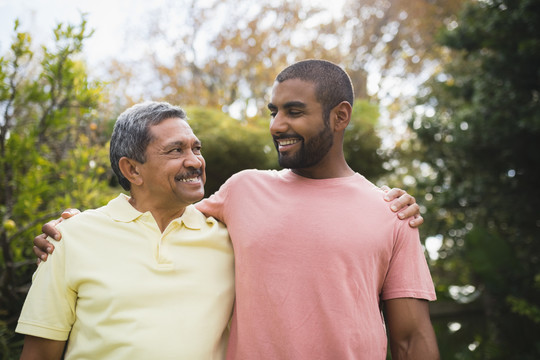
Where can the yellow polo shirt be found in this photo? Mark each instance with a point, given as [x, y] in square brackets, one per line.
[117, 288]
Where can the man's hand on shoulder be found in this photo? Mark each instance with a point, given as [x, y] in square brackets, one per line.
[42, 246]
[404, 204]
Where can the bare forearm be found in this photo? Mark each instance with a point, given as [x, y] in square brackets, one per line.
[410, 331]
[418, 347]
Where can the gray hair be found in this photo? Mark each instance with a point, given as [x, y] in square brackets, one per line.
[332, 84]
[131, 134]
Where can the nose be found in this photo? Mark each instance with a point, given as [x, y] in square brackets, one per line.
[193, 160]
[278, 124]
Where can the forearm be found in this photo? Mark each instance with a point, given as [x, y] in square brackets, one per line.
[421, 346]
[410, 331]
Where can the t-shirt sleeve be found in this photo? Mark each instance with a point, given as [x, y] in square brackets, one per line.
[49, 309]
[408, 274]
[215, 205]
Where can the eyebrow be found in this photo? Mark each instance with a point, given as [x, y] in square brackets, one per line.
[288, 105]
[182, 144]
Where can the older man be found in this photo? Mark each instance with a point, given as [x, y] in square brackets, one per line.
[146, 276]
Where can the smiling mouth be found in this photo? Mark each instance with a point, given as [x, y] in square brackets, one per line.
[285, 142]
[189, 180]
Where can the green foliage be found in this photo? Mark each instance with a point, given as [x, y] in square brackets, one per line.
[482, 147]
[52, 155]
[361, 143]
[230, 145]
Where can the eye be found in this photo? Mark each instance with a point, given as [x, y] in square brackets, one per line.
[273, 111]
[197, 150]
[175, 150]
[295, 113]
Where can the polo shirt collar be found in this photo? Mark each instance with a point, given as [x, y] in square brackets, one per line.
[119, 209]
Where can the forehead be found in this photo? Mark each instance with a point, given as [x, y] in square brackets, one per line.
[172, 129]
[293, 90]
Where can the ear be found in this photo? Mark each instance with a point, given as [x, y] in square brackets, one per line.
[341, 115]
[130, 169]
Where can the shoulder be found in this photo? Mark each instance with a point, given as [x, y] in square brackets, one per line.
[249, 177]
[91, 215]
[196, 220]
[371, 199]
[249, 174]
[90, 221]
[369, 192]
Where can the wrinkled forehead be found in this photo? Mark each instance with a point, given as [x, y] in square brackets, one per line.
[173, 128]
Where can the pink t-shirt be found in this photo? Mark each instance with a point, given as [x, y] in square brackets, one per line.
[314, 259]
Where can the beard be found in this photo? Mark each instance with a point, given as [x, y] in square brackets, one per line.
[310, 153]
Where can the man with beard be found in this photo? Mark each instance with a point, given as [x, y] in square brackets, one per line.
[317, 251]
[146, 276]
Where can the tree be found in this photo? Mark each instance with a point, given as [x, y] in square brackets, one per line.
[361, 144]
[52, 154]
[226, 54]
[230, 145]
[478, 133]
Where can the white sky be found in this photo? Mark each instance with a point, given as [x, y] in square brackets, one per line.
[110, 19]
[117, 24]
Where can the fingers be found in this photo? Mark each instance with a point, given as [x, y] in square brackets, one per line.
[385, 188]
[41, 256]
[416, 221]
[404, 201]
[405, 205]
[406, 212]
[50, 229]
[42, 247]
[394, 194]
[66, 214]
[412, 212]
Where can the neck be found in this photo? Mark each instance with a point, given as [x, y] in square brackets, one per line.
[333, 165]
[315, 173]
[162, 214]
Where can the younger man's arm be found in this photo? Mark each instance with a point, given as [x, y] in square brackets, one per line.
[411, 334]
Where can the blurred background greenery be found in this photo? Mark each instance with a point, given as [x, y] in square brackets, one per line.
[448, 108]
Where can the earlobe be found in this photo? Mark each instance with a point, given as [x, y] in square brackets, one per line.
[130, 170]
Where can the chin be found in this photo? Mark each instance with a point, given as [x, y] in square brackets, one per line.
[196, 196]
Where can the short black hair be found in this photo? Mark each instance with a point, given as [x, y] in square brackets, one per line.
[332, 84]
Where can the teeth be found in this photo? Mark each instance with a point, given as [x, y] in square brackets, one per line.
[188, 180]
[287, 142]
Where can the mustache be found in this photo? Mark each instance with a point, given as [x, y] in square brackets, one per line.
[189, 174]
